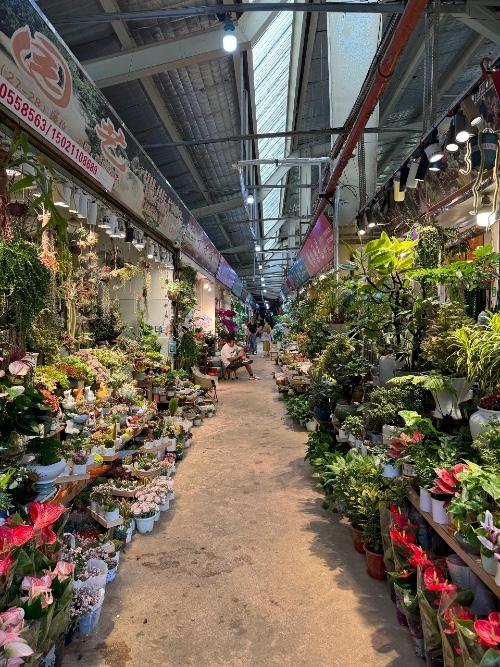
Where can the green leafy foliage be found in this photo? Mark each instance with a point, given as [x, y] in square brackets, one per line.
[298, 408]
[487, 444]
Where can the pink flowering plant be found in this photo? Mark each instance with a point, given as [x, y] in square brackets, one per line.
[13, 648]
[144, 509]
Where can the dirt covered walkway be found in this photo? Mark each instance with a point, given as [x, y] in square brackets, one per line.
[246, 569]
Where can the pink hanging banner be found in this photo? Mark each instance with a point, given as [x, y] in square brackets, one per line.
[317, 251]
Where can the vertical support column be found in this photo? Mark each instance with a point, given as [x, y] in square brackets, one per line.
[348, 65]
[305, 203]
[175, 318]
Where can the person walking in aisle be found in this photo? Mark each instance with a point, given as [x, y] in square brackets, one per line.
[266, 337]
[252, 336]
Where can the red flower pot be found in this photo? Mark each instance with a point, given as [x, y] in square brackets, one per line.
[375, 565]
[357, 539]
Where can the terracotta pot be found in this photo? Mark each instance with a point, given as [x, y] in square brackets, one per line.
[357, 539]
[375, 565]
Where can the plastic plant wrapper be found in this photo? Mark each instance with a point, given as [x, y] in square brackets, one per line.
[429, 619]
[458, 642]
[405, 588]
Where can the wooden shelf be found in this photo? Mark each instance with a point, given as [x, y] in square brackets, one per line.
[123, 493]
[70, 479]
[445, 532]
[107, 524]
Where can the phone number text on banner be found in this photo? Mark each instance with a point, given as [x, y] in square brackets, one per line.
[19, 105]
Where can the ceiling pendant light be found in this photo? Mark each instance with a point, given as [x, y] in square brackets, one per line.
[150, 252]
[433, 150]
[121, 230]
[422, 168]
[471, 111]
[105, 221]
[229, 41]
[436, 166]
[450, 143]
[257, 248]
[59, 196]
[360, 224]
[411, 181]
[112, 230]
[139, 240]
[92, 212]
[370, 219]
[129, 234]
[83, 206]
[74, 206]
[250, 199]
[462, 134]
[484, 214]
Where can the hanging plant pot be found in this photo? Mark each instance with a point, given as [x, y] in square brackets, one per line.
[357, 539]
[489, 145]
[375, 565]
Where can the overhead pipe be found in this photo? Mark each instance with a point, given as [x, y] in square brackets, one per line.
[406, 25]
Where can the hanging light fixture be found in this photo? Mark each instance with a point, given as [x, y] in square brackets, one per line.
[423, 166]
[92, 212]
[112, 230]
[229, 41]
[150, 252]
[484, 214]
[129, 234]
[260, 267]
[250, 199]
[139, 240]
[360, 224]
[433, 149]
[105, 221]
[59, 198]
[83, 206]
[462, 134]
[399, 194]
[121, 229]
[451, 143]
[75, 204]
[370, 219]
[257, 248]
[411, 181]
[471, 111]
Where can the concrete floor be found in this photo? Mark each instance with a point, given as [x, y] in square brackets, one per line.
[247, 569]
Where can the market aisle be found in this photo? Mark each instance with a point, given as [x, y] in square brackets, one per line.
[247, 570]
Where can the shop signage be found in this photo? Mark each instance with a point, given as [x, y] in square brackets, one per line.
[317, 251]
[42, 84]
[225, 273]
[237, 288]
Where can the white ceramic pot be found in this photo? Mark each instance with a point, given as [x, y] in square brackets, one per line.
[342, 436]
[157, 516]
[79, 468]
[113, 515]
[480, 419]
[165, 506]
[145, 525]
[447, 401]
[391, 472]
[489, 564]
[171, 444]
[311, 425]
[439, 513]
[351, 439]
[425, 500]
[107, 451]
[358, 444]
[47, 474]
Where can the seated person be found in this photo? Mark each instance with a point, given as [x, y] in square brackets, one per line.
[234, 357]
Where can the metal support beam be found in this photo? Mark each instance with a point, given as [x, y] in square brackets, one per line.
[447, 80]
[458, 8]
[483, 21]
[160, 107]
[143, 61]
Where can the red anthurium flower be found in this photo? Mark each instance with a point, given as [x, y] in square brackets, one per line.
[14, 536]
[434, 580]
[488, 633]
[43, 516]
[399, 519]
[419, 556]
[405, 574]
[404, 538]
[494, 617]
[5, 565]
[454, 612]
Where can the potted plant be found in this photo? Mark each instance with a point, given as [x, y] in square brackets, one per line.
[353, 426]
[445, 486]
[109, 505]
[487, 444]
[169, 433]
[489, 537]
[479, 358]
[144, 513]
[179, 453]
[372, 534]
[79, 459]
[108, 447]
[48, 460]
